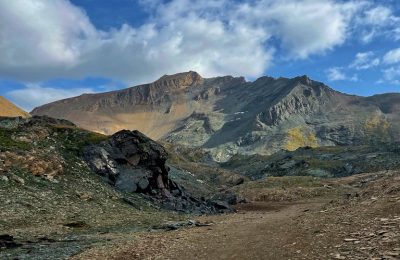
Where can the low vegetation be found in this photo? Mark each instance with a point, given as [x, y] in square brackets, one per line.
[297, 137]
[7, 142]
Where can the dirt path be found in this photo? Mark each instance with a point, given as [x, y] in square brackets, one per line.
[256, 231]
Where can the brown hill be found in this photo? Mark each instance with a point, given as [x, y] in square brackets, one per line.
[228, 115]
[8, 109]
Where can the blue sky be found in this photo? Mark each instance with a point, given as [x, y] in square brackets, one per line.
[54, 49]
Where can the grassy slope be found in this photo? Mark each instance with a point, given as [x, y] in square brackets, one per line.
[35, 206]
[8, 109]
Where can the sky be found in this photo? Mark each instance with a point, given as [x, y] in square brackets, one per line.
[55, 49]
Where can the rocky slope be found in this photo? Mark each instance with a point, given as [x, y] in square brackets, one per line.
[8, 109]
[64, 190]
[60, 186]
[228, 116]
[128, 160]
[322, 162]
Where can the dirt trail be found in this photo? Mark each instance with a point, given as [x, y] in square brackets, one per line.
[359, 219]
[256, 231]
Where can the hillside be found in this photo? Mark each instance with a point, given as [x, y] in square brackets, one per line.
[8, 109]
[93, 195]
[58, 182]
[228, 116]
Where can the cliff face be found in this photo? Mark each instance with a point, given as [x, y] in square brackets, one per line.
[228, 115]
[8, 109]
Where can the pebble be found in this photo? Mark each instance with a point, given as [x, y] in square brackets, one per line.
[339, 256]
[381, 232]
[350, 239]
[392, 253]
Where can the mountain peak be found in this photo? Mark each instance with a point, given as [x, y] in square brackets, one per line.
[305, 80]
[179, 80]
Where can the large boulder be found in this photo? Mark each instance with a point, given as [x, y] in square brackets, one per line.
[132, 162]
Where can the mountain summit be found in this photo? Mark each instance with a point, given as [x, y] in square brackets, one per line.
[228, 115]
[179, 80]
[8, 109]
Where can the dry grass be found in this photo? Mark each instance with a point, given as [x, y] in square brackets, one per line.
[289, 188]
[8, 109]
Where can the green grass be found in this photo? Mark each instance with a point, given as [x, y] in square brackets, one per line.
[323, 164]
[75, 139]
[6, 141]
[287, 182]
[290, 188]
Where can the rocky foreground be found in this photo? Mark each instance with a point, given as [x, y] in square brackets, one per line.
[61, 186]
[362, 221]
[67, 192]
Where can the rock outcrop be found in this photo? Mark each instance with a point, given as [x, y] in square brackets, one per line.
[134, 163]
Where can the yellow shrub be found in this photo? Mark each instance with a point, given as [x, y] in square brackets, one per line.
[296, 138]
[376, 128]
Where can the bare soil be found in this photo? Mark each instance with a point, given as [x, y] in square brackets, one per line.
[364, 224]
[257, 231]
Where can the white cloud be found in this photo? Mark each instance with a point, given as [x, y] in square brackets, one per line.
[337, 74]
[392, 56]
[304, 27]
[34, 95]
[375, 21]
[380, 15]
[392, 75]
[365, 60]
[42, 39]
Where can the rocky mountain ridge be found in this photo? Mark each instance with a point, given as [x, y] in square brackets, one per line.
[228, 115]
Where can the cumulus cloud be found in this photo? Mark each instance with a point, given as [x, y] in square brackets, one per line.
[365, 60]
[304, 27]
[34, 95]
[392, 56]
[41, 39]
[338, 74]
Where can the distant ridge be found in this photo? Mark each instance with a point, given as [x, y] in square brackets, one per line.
[8, 109]
[228, 115]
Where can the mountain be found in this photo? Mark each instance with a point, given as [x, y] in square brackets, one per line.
[228, 115]
[8, 109]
